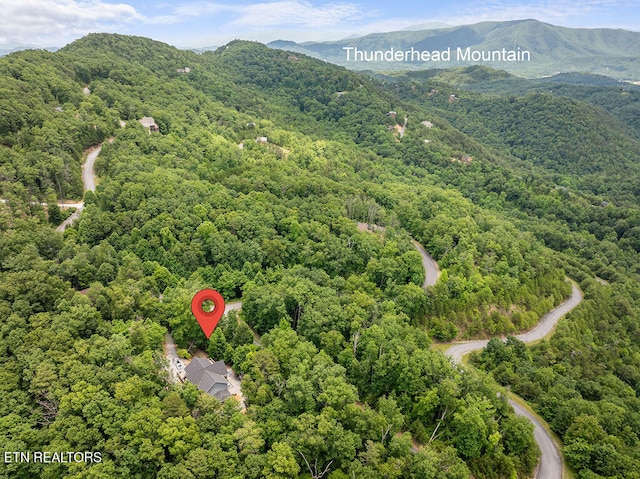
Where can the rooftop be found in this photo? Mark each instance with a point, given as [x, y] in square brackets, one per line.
[209, 377]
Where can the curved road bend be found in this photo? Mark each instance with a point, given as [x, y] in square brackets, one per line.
[549, 320]
[550, 459]
[550, 466]
[431, 269]
[89, 182]
[88, 175]
[457, 350]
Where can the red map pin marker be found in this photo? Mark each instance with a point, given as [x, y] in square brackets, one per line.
[208, 320]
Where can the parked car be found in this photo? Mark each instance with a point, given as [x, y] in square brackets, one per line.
[178, 363]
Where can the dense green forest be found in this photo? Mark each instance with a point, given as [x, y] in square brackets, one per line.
[584, 380]
[342, 381]
[585, 138]
[619, 98]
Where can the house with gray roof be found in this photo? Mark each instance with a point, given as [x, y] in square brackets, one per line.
[209, 376]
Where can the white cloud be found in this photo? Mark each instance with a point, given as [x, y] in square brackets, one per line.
[55, 22]
[267, 14]
[197, 9]
[301, 14]
[264, 21]
[47, 22]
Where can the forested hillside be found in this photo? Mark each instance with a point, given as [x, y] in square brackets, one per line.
[583, 137]
[589, 368]
[620, 99]
[262, 164]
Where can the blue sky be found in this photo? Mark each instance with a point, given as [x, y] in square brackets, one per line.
[188, 23]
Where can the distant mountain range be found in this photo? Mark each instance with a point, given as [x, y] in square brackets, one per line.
[553, 49]
[6, 48]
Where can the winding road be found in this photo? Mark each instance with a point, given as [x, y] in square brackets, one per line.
[551, 462]
[431, 269]
[550, 458]
[459, 349]
[89, 182]
[550, 466]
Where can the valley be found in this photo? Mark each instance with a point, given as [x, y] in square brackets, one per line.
[344, 381]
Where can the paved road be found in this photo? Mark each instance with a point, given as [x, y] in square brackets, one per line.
[457, 350]
[550, 466]
[431, 269]
[69, 221]
[89, 182]
[403, 127]
[88, 175]
[550, 459]
[234, 305]
[462, 348]
[549, 320]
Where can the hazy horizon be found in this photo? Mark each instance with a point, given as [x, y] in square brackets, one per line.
[188, 24]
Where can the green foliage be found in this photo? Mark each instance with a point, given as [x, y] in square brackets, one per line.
[583, 139]
[340, 368]
[577, 382]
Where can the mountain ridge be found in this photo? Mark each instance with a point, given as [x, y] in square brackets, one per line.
[262, 164]
[553, 49]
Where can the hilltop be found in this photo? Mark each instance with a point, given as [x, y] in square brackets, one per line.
[247, 169]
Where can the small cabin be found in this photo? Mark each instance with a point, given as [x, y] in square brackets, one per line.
[150, 123]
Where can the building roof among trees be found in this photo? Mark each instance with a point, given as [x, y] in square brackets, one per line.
[209, 377]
